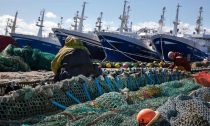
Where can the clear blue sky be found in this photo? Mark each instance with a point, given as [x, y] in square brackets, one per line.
[141, 10]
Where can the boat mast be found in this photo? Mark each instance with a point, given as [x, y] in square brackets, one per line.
[199, 21]
[82, 18]
[131, 25]
[99, 22]
[7, 26]
[13, 27]
[161, 21]
[123, 17]
[61, 23]
[75, 21]
[126, 21]
[176, 22]
[40, 25]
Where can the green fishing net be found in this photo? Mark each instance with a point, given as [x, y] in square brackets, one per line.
[116, 109]
[24, 59]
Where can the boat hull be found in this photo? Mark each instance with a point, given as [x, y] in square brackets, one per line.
[121, 48]
[93, 45]
[166, 43]
[45, 45]
[5, 41]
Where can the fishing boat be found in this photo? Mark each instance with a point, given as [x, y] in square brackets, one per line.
[90, 39]
[125, 45]
[48, 44]
[5, 40]
[193, 49]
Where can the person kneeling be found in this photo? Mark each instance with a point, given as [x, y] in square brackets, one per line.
[73, 59]
[179, 61]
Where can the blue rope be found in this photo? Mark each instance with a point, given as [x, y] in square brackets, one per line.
[86, 91]
[171, 75]
[58, 105]
[71, 96]
[117, 82]
[129, 83]
[164, 75]
[98, 86]
[150, 79]
[138, 81]
[177, 75]
[142, 78]
[157, 77]
[108, 83]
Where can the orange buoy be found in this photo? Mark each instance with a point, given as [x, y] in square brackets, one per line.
[203, 78]
[145, 116]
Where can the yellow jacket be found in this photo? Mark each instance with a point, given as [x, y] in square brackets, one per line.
[71, 43]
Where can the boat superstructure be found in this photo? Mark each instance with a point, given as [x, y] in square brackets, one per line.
[199, 36]
[191, 48]
[90, 39]
[5, 40]
[125, 45]
[48, 44]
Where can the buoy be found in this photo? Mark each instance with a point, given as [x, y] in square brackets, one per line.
[125, 65]
[117, 65]
[202, 78]
[146, 116]
[108, 65]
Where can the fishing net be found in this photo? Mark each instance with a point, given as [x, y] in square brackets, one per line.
[178, 111]
[116, 108]
[200, 64]
[11, 64]
[122, 103]
[34, 58]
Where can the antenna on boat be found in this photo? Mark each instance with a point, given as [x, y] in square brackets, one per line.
[40, 23]
[7, 26]
[76, 21]
[161, 21]
[99, 22]
[123, 17]
[61, 23]
[82, 18]
[13, 27]
[199, 21]
[176, 22]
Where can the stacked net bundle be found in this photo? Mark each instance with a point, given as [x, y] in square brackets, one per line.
[11, 64]
[116, 108]
[186, 110]
[27, 57]
[200, 64]
[203, 93]
[148, 76]
[57, 96]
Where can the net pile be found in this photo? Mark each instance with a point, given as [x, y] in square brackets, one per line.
[8, 63]
[116, 109]
[29, 101]
[200, 64]
[186, 110]
[24, 59]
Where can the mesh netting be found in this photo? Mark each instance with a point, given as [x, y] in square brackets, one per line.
[24, 59]
[178, 111]
[50, 98]
[30, 102]
[116, 108]
[8, 63]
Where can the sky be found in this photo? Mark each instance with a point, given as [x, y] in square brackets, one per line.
[144, 13]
